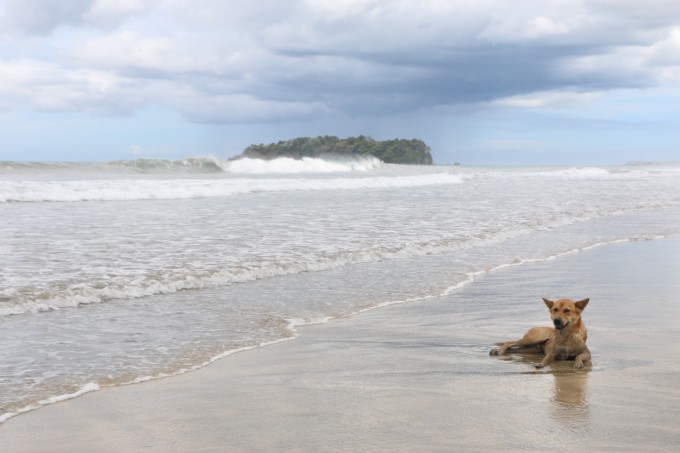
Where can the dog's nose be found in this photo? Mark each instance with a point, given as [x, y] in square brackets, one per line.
[558, 323]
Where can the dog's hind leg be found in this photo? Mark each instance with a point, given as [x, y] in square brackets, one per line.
[534, 336]
[503, 349]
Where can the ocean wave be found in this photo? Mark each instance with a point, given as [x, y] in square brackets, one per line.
[200, 165]
[562, 174]
[136, 166]
[188, 165]
[288, 165]
[579, 173]
[593, 173]
[173, 189]
[20, 302]
[291, 329]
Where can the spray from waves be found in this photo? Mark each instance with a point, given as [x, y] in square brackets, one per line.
[305, 165]
[177, 189]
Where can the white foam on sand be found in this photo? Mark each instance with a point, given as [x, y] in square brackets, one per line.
[87, 388]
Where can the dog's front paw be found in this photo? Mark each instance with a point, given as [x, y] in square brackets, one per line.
[539, 366]
[494, 352]
[578, 363]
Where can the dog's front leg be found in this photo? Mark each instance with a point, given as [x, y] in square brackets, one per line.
[549, 357]
[582, 357]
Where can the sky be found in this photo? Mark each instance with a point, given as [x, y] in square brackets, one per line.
[488, 82]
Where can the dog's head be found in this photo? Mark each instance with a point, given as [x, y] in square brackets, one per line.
[565, 312]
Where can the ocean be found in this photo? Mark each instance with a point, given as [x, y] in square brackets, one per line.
[120, 272]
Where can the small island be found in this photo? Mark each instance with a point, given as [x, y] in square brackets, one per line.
[398, 151]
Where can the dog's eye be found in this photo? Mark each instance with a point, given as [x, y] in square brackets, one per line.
[556, 309]
[566, 310]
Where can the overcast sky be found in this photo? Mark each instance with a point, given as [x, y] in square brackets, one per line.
[482, 82]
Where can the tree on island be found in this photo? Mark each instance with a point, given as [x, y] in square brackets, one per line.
[398, 151]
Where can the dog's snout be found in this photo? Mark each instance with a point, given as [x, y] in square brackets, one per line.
[558, 323]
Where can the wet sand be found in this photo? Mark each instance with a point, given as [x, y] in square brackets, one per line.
[418, 377]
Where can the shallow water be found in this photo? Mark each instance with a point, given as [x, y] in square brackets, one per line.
[418, 377]
[154, 274]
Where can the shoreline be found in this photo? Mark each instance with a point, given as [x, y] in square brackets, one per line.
[295, 324]
[104, 414]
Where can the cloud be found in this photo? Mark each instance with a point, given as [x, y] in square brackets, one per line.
[240, 61]
[548, 99]
[128, 52]
[107, 13]
[49, 87]
[42, 16]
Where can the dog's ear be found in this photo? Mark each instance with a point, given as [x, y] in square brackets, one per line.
[581, 304]
[549, 303]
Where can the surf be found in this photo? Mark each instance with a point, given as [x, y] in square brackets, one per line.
[185, 188]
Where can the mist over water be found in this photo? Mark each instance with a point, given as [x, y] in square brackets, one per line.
[118, 272]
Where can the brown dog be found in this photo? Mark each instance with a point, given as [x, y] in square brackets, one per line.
[566, 340]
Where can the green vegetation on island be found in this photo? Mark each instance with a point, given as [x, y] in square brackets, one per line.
[398, 151]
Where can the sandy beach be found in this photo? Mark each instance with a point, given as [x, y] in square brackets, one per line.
[418, 377]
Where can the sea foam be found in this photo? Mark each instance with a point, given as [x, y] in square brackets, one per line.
[172, 189]
[288, 165]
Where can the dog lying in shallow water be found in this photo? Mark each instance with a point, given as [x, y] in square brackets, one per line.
[566, 340]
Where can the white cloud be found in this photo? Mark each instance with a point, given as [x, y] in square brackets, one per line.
[544, 26]
[548, 99]
[127, 50]
[665, 52]
[520, 21]
[50, 87]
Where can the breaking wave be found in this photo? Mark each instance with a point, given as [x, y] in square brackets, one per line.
[245, 176]
[177, 189]
[200, 165]
[138, 166]
[304, 165]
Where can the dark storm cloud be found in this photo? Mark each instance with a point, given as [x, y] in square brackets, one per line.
[452, 75]
[216, 61]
